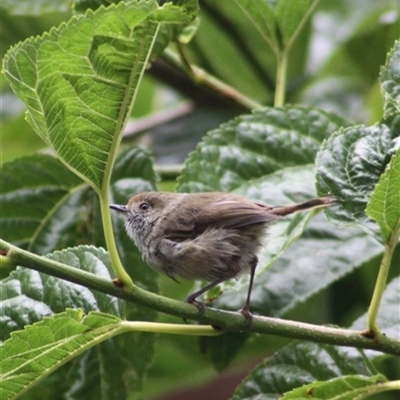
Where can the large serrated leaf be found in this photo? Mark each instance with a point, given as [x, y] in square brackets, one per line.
[390, 81]
[295, 365]
[27, 295]
[31, 354]
[255, 145]
[80, 80]
[350, 164]
[344, 388]
[384, 205]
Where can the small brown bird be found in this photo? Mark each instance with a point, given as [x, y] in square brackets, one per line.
[203, 236]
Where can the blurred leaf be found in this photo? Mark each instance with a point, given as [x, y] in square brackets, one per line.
[37, 7]
[16, 28]
[290, 16]
[390, 81]
[262, 17]
[221, 350]
[295, 365]
[384, 205]
[81, 115]
[350, 164]
[346, 388]
[255, 145]
[388, 317]
[39, 349]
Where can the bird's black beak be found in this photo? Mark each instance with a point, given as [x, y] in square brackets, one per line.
[119, 208]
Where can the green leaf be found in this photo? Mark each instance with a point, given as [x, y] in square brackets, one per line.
[346, 388]
[390, 81]
[39, 349]
[27, 295]
[262, 17]
[384, 205]
[290, 17]
[80, 80]
[39, 7]
[295, 365]
[35, 190]
[350, 164]
[255, 145]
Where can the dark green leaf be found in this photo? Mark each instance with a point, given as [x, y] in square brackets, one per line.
[34, 190]
[298, 364]
[388, 317]
[384, 205]
[255, 145]
[221, 350]
[262, 17]
[27, 296]
[390, 81]
[351, 163]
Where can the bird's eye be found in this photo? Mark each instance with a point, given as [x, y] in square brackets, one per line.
[144, 206]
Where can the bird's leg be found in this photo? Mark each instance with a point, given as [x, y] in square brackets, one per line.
[199, 304]
[246, 307]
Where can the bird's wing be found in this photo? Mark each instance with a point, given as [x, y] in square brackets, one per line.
[230, 211]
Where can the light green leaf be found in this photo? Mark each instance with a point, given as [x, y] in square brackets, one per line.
[295, 365]
[384, 205]
[41, 348]
[80, 80]
[345, 388]
[390, 81]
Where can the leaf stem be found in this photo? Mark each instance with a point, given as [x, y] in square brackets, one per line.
[380, 284]
[281, 75]
[379, 388]
[202, 77]
[110, 242]
[232, 321]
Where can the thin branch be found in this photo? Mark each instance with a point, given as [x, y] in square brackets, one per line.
[225, 320]
[211, 82]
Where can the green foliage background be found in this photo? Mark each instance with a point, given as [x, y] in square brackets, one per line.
[233, 127]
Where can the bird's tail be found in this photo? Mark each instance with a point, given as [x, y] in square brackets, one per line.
[314, 203]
